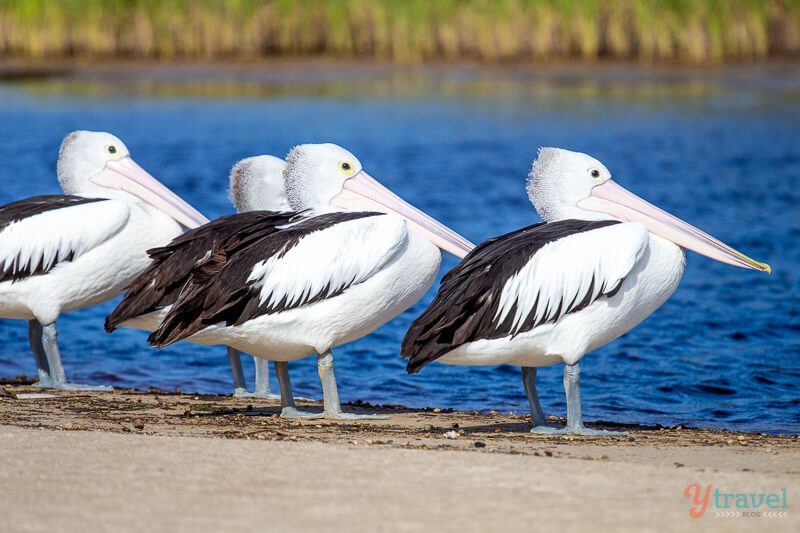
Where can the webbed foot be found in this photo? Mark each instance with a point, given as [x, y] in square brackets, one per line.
[266, 395]
[580, 430]
[50, 384]
[294, 412]
[340, 415]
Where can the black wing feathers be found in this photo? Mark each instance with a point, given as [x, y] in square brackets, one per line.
[467, 302]
[197, 252]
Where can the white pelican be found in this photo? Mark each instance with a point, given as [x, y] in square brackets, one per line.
[603, 261]
[65, 252]
[363, 258]
[256, 183]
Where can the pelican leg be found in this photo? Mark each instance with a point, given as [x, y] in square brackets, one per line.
[288, 407]
[529, 382]
[572, 388]
[262, 379]
[35, 339]
[58, 379]
[50, 345]
[330, 393]
[239, 386]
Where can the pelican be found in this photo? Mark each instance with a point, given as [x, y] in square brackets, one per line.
[601, 262]
[361, 257]
[64, 252]
[256, 184]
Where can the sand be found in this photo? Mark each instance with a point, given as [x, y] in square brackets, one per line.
[136, 461]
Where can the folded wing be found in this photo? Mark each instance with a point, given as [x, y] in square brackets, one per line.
[38, 234]
[317, 258]
[517, 282]
[159, 285]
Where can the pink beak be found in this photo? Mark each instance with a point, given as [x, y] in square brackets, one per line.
[364, 192]
[126, 175]
[618, 202]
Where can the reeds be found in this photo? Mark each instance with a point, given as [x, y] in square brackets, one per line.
[696, 31]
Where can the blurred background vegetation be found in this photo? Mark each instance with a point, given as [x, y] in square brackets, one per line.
[410, 31]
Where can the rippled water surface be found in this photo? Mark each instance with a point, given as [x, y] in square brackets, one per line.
[719, 149]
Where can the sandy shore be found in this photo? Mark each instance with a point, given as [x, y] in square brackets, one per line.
[132, 460]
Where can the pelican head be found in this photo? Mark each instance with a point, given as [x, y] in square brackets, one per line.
[322, 177]
[257, 184]
[93, 163]
[564, 184]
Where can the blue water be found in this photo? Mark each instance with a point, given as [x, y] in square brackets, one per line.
[719, 149]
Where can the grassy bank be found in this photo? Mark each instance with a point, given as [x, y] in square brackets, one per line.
[694, 31]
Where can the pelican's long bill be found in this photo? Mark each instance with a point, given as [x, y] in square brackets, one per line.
[615, 200]
[126, 175]
[362, 191]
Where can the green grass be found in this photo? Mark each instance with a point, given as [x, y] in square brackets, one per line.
[696, 31]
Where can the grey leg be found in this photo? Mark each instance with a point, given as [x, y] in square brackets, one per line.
[288, 407]
[330, 393]
[529, 382]
[58, 380]
[53, 354]
[239, 386]
[262, 379]
[572, 388]
[35, 339]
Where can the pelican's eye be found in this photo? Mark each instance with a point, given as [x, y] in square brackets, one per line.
[595, 173]
[346, 167]
[111, 149]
